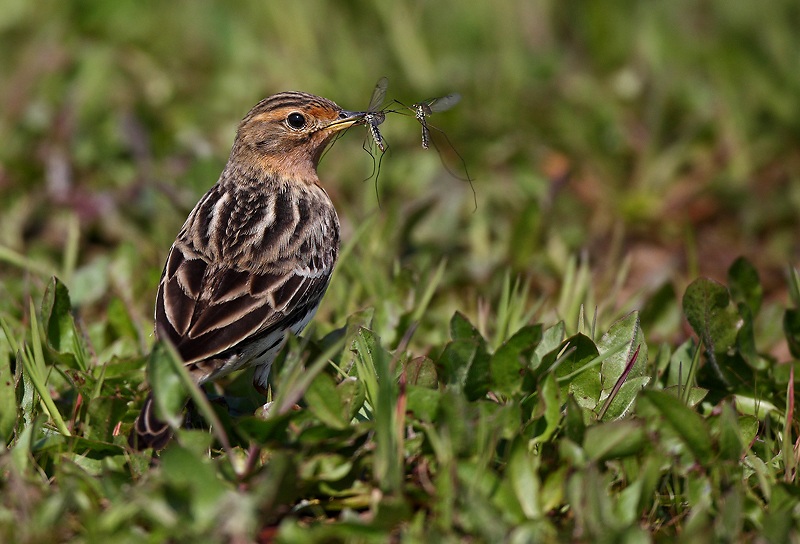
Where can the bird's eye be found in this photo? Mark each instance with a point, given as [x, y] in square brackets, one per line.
[296, 120]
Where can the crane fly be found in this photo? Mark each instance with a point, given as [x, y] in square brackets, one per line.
[374, 115]
[424, 109]
[427, 107]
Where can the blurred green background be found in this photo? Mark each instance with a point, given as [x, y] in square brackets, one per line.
[651, 141]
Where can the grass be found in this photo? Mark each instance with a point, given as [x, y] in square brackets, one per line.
[603, 349]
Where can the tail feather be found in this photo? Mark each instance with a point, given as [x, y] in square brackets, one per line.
[148, 430]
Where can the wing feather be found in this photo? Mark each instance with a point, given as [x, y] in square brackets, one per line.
[207, 306]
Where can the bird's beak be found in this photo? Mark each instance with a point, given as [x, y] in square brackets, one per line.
[346, 120]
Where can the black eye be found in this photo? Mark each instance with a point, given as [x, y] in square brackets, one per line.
[296, 120]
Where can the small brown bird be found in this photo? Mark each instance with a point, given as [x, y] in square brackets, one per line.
[255, 255]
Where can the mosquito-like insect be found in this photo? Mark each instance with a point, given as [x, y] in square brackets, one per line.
[422, 110]
[374, 116]
[427, 107]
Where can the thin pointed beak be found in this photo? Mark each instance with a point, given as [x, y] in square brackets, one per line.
[346, 119]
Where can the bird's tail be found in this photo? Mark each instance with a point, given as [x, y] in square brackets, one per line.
[148, 430]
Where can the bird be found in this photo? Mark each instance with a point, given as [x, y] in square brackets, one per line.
[255, 255]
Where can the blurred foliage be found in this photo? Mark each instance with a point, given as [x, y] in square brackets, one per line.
[619, 150]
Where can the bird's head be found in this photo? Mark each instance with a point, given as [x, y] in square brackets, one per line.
[285, 135]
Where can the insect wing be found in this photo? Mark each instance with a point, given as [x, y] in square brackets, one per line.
[442, 103]
[378, 95]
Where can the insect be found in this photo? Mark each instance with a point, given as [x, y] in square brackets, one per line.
[422, 110]
[427, 107]
[374, 116]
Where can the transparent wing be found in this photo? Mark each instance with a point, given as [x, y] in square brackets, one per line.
[378, 95]
[443, 103]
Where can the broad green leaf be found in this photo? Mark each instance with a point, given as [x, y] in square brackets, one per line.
[328, 467]
[61, 334]
[754, 406]
[185, 470]
[261, 430]
[625, 397]
[694, 396]
[484, 486]
[614, 439]
[708, 309]
[522, 474]
[551, 340]
[169, 393]
[352, 394]
[578, 370]
[550, 407]
[745, 285]
[478, 374]
[422, 402]
[421, 371]
[575, 427]
[686, 422]
[464, 367]
[462, 329]
[323, 400]
[510, 362]
[623, 339]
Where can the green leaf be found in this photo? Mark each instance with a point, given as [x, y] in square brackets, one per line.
[92, 449]
[524, 479]
[120, 323]
[691, 398]
[574, 425]
[61, 334]
[791, 328]
[686, 422]
[352, 394]
[324, 402]
[708, 309]
[623, 401]
[373, 358]
[623, 339]
[746, 338]
[624, 373]
[577, 370]
[614, 439]
[745, 285]
[464, 367]
[550, 406]
[551, 340]
[462, 329]
[510, 362]
[731, 446]
[422, 402]
[185, 470]
[421, 371]
[8, 395]
[478, 374]
[169, 393]
[271, 429]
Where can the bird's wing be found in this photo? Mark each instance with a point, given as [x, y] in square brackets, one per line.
[206, 308]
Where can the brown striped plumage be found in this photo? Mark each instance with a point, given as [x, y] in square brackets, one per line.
[255, 255]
